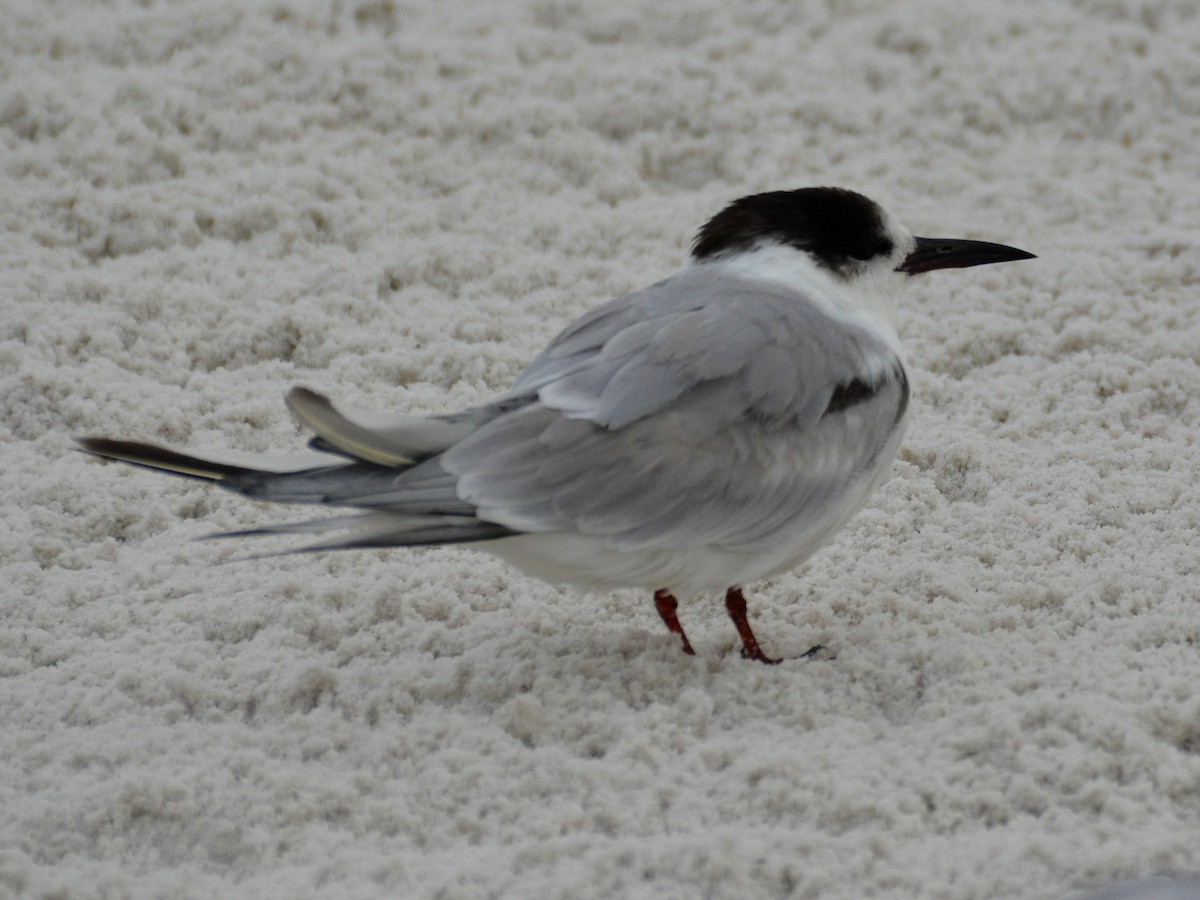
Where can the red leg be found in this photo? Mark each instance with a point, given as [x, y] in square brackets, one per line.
[666, 603]
[735, 604]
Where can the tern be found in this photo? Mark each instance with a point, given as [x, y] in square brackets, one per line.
[692, 437]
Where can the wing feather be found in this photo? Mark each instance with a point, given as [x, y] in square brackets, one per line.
[394, 441]
[706, 410]
[715, 412]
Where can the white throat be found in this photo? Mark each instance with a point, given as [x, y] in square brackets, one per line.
[866, 299]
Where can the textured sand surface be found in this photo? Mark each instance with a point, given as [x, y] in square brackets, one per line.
[399, 203]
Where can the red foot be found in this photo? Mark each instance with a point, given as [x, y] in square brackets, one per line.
[666, 603]
[735, 604]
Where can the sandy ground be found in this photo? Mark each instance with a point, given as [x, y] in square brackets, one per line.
[399, 203]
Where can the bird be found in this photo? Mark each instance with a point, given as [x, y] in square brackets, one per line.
[709, 431]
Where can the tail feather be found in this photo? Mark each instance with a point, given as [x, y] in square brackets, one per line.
[417, 537]
[378, 530]
[149, 456]
[337, 485]
[393, 474]
[306, 526]
[423, 490]
[314, 484]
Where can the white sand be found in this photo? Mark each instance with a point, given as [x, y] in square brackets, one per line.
[399, 203]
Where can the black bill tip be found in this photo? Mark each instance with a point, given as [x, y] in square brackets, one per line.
[954, 253]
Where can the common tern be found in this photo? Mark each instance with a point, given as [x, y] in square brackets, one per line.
[708, 431]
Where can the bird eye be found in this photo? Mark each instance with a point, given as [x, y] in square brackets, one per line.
[864, 249]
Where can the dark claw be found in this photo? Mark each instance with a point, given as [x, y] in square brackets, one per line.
[758, 656]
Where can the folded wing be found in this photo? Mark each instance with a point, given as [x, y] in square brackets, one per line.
[709, 412]
[705, 410]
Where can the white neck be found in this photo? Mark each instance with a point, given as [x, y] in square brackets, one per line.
[866, 299]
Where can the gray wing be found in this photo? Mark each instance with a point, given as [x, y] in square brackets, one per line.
[701, 410]
[705, 409]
